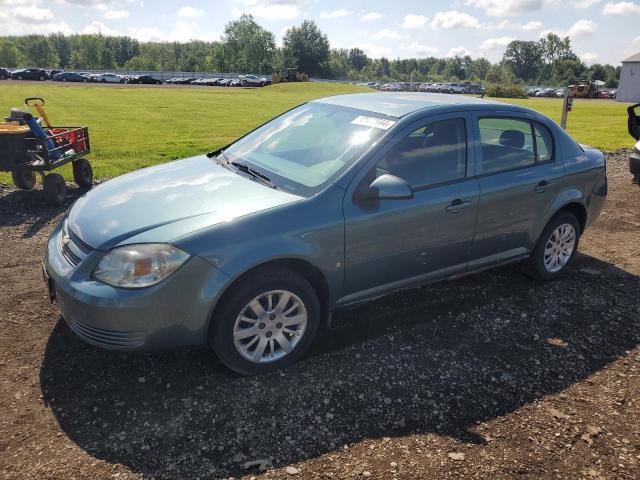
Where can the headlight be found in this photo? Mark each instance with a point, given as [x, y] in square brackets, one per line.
[138, 266]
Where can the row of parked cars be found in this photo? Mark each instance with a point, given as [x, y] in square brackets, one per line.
[64, 76]
[459, 88]
[559, 93]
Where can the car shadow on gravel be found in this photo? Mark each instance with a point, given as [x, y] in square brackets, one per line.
[438, 359]
[19, 207]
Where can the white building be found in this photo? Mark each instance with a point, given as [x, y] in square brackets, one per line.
[629, 87]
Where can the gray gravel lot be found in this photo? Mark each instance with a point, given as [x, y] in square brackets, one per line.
[490, 376]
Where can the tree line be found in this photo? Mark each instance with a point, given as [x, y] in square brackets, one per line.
[247, 47]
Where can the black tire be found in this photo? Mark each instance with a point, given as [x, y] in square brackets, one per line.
[55, 189]
[83, 173]
[24, 179]
[236, 299]
[84, 80]
[535, 266]
[103, 81]
[19, 77]
[42, 79]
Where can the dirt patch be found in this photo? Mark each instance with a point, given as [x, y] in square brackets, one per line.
[491, 376]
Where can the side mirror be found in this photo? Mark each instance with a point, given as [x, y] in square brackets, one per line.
[386, 187]
[634, 121]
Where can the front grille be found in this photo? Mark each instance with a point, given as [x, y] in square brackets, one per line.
[107, 338]
[73, 249]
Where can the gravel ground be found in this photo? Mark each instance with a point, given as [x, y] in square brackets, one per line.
[491, 376]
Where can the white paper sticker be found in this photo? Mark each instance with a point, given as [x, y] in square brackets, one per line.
[375, 122]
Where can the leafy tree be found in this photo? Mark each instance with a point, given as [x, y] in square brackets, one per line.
[8, 54]
[555, 48]
[252, 46]
[358, 58]
[523, 58]
[309, 45]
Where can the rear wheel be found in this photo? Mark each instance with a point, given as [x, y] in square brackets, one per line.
[55, 189]
[83, 173]
[556, 247]
[265, 322]
[24, 179]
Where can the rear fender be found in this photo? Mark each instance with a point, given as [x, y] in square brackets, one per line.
[564, 198]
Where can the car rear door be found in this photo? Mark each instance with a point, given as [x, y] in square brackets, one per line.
[519, 174]
[391, 244]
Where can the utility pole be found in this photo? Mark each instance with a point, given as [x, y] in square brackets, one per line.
[567, 105]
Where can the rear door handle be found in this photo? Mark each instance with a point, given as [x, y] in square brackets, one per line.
[542, 185]
[457, 205]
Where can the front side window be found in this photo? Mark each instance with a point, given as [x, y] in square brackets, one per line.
[506, 143]
[430, 155]
[304, 149]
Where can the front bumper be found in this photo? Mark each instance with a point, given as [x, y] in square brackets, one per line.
[173, 313]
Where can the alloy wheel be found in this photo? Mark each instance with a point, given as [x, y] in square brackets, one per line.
[559, 247]
[270, 326]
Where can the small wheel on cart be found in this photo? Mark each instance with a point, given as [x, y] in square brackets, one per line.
[24, 178]
[83, 173]
[55, 189]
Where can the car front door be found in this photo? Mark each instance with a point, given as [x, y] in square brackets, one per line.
[519, 174]
[393, 243]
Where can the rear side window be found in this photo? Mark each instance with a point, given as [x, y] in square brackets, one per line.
[430, 155]
[544, 143]
[506, 143]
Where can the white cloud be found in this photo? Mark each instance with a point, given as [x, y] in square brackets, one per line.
[526, 27]
[115, 14]
[270, 9]
[504, 8]
[99, 27]
[343, 12]
[414, 21]
[190, 12]
[621, 8]
[495, 43]
[31, 13]
[375, 51]
[458, 52]
[532, 25]
[588, 57]
[387, 34]
[582, 28]
[368, 17]
[582, 4]
[454, 19]
[416, 49]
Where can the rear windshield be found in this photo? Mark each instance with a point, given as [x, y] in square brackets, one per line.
[304, 149]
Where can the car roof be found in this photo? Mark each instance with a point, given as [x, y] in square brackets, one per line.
[398, 105]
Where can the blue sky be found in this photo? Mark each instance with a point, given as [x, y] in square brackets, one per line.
[601, 30]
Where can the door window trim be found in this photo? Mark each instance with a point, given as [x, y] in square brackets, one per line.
[476, 120]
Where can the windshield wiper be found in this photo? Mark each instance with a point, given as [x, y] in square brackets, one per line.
[243, 167]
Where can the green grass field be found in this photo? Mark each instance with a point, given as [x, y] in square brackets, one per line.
[133, 128]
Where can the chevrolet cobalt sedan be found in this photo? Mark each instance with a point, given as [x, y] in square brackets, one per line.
[250, 248]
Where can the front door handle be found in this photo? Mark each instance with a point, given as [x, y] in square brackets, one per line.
[457, 205]
[542, 185]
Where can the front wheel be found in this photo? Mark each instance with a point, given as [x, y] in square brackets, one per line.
[24, 179]
[83, 173]
[55, 189]
[556, 247]
[265, 322]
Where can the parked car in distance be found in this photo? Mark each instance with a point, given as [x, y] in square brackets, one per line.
[252, 81]
[181, 80]
[29, 74]
[250, 247]
[4, 74]
[145, 79]
[107, 78]
[69, 77]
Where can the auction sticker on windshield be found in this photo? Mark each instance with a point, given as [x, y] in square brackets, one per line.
[381, 123]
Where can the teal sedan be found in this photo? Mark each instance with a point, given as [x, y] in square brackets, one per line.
[249, 249]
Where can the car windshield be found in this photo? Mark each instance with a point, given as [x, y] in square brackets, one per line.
[304, 149]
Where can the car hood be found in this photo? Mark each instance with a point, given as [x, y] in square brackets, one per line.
[161, 203]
